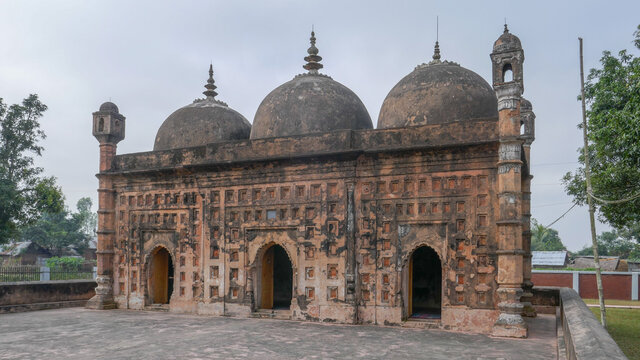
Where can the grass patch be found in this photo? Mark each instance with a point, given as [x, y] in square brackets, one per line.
[613, 302]
[564, 269]
[624, 327]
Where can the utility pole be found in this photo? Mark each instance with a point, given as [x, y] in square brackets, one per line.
[587, 171]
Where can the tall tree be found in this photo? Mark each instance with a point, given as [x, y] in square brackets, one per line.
[616, 243]
[612, 93]
[544, 238]
[88, 219]
[61, 230]
[24, 193]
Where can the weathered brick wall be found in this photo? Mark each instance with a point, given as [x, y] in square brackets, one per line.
[217, 222]
[433, 199]
[19, 293]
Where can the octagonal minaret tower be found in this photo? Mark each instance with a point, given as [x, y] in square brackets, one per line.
[108, 128]
[507, 59]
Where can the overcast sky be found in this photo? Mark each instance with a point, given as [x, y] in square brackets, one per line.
[151, 58]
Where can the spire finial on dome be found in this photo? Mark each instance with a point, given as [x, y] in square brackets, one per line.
[210, 92]
[313, 60]
[506, 29]
[436, 53]
[436, 48]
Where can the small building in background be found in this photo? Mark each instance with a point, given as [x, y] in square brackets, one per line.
[633, 265]
[24, 253]
[549, 259]
[89, 254]
[607, 263]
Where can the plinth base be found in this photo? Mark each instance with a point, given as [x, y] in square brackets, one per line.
[99, 302]
[510, 325]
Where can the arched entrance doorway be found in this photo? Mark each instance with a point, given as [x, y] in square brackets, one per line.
[424, 284]
[276, 279]
[160, 277]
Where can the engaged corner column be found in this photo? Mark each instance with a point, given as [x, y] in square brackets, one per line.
[108, 128]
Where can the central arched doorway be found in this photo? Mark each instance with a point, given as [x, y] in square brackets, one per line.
[425, 284]
[276, 280]
[160, 277]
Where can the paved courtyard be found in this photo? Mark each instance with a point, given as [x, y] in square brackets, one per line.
[77, 333]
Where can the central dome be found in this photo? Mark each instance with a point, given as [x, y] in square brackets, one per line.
[436, 93]
[309, 103]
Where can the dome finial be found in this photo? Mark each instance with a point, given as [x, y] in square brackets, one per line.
[313, 60]
[210, 92]
[436, 48]
[436, 53]
[506, 29]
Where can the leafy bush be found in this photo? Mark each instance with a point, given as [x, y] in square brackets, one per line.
[65, 263]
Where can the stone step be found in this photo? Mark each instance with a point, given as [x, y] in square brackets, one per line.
[272, 314]
[157, 307]
[422, 324]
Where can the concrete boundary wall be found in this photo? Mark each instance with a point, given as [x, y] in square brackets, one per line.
[584, 336]
[39, 295]
[616, 285]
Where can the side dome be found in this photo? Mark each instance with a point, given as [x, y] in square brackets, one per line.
[109, 107]
[506, 42]
[437, 93]
[311, 102]
[203, 122]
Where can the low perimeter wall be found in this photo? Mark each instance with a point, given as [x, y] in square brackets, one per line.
[583, 335]
[616, 285]
[32, 295]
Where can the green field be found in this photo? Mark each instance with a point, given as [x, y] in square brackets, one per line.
[613, 302]
[624, 327]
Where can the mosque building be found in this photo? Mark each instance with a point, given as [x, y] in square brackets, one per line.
[309, 213]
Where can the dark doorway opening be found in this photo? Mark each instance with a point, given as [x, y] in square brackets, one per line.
[170, 282]
[425, 284]
[277, 279]
[161, 279]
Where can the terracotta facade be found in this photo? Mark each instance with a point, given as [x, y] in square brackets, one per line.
[349, 208]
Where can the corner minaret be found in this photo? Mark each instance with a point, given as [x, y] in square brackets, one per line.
[108, 128]
[507, 58]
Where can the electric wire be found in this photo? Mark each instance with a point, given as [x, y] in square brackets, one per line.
[561, 216]
[610, 202]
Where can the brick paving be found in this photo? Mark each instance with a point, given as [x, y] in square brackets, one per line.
[77, 333]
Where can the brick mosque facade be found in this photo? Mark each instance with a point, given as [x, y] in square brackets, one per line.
[423, 221]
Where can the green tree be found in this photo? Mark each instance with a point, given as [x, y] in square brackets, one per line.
[544, 238]
[87, 218]
[616, 243]
[612, 94]
[61, 230]
[24, 193]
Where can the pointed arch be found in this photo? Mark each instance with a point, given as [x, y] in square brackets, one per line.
[274, 275]
[423, 282]
[160, 272]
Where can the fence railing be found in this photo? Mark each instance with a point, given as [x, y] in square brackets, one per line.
[43, 273]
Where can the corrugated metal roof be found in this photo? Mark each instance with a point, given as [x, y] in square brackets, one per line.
[14, 249]
[548, 258]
